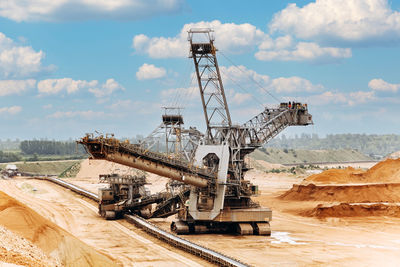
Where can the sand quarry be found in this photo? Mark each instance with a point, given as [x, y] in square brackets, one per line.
[340, 217]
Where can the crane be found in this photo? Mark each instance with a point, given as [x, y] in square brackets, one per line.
[214, 195]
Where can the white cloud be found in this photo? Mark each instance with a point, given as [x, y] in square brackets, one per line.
[11, 110]
[107, 88]
[236, 39]
[149, 71]
[361, 97]
[381, 85]
[70, 10]
[54, 86]
[88, 114]
[19, 61]
[302, 51]
[239, 98]
[329, 97]
[294, 84]
[345, 21]
[241, 76]
[68, 85]
[231, 37]
[239, 38]
[9, 87]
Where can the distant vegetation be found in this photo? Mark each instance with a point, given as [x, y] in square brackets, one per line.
[9, 157]
[9, 145]
[301, 156]
[39, 150]
[372, 145]
[48, 168]
[44, 147]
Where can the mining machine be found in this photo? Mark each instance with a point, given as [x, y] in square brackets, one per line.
[214, 195]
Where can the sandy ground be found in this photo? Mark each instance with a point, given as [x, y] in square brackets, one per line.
[79, 217]
[17, 250]
[303, 241]
[49, 237]
[296, 240]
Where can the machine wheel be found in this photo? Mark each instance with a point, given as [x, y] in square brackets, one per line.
[180, 227]
[200, 229]
[245, 229]
[110, 215]
[263, 229]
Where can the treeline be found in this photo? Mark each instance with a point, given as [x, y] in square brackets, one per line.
[9, 157]
[9, 144]
[45, 147]
[372, 145]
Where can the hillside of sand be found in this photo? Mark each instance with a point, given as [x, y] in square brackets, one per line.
[17, 250]
[387, 171]
[374, 192]
[50, 238]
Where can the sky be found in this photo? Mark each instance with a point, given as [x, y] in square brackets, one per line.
[70, 67]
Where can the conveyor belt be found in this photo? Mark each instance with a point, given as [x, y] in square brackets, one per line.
[178, 242]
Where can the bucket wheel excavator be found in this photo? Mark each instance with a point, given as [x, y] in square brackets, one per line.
[212, 195]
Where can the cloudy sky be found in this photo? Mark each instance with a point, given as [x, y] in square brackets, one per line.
[68, 67]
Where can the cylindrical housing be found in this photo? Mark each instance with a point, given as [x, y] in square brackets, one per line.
[153, 167]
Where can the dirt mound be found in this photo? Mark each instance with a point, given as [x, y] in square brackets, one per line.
[344, 193]
[355, 210]
[387, 171]
[17, 250]
[337, 176]
[50, 238]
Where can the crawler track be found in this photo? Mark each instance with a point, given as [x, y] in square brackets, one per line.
[178, 242]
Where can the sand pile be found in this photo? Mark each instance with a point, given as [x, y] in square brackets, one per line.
[343, 193]
[51, 239]
[378, 185]
[336, 176]
[356, 210]
[387, 171]
[17, 250]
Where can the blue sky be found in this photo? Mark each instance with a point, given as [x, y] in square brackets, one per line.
[74, 66]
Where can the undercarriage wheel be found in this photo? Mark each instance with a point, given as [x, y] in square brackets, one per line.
[110, 215]
[245, 229]
[180, 227]
[200, 229]
[145, 213]
[263, 228]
